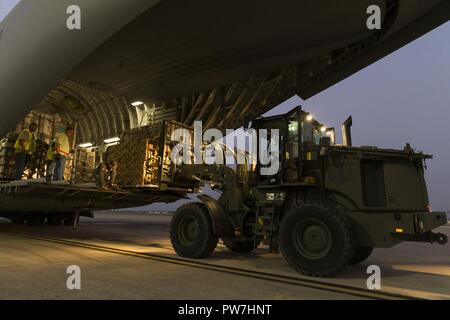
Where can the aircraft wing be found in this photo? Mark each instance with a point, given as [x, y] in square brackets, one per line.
[222, 62]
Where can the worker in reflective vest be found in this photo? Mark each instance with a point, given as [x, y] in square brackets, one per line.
[24, 147]
[62, 152]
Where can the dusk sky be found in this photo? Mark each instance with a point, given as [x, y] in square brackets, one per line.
[6, 6]
[404, 97]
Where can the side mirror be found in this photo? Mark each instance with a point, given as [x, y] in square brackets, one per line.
[347, 132]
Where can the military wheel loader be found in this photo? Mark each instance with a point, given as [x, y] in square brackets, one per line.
[324, 207]
[327, 207]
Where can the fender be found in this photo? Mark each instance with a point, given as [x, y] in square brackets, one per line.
[221, 225]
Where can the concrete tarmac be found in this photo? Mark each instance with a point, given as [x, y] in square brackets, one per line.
[36, 269]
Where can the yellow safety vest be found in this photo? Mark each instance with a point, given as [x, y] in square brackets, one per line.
[63, 142]
[29, 144]
[51, 152]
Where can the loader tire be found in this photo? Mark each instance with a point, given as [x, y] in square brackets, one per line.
[360, 254]
[316, 241]
[191, 232]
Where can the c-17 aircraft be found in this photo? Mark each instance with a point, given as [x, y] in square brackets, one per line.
[222, 62]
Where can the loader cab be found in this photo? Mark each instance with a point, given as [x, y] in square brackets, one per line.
[300, 139]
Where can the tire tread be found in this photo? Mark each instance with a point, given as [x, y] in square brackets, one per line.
[348, 250]
[210, 243]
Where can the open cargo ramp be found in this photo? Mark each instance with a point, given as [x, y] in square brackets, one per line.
[40, 197]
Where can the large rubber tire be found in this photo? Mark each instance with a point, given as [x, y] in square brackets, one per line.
[240, 246]
[360, 254]
[54, 219]
[316, 241]
[36, 219]
[191, 232]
